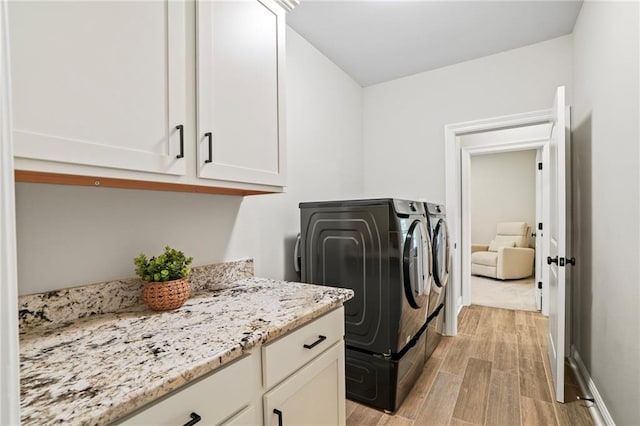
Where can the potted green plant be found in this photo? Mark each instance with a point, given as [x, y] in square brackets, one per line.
[166, 276]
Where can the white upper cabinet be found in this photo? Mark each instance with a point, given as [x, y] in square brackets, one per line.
[101, 93]
[99, 84]
[240, 80]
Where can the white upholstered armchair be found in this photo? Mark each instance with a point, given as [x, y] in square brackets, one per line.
[508, 256]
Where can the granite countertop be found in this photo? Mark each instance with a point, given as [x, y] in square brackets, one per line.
[98, 369]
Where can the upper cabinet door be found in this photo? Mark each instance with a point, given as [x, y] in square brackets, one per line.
[241, 131]
[99, 83]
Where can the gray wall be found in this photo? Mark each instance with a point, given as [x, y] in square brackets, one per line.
[70, 236]
[606, 197]
[503, 189]
[404, 119]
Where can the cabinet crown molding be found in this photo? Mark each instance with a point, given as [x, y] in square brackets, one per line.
[288, 5]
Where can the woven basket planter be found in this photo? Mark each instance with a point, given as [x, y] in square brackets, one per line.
[166, 296]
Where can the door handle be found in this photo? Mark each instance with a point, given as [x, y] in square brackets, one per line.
[552, 260]
[296, 255]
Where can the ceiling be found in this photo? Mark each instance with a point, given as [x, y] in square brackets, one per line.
[375, 41]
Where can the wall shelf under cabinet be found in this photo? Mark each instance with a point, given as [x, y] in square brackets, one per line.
[95, 181]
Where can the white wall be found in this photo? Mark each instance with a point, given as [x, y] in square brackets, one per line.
[605, 117]
[503, 189]
[69, 236]
[404, 119]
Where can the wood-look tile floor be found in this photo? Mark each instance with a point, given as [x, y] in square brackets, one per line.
[495, 372]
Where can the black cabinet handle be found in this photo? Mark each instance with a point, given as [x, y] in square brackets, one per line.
[571, 261]
[550, 260]
[180, 127]
[195, 418]
[210, 136]
[316, 343]
[279, 414]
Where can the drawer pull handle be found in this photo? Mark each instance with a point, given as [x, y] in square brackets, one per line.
[180, 127]
[316, 343]
[195, 418]
[209, 136]
[279, 414]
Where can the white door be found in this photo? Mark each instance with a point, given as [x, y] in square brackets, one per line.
[535, 229]
[241, 91]
[558, 240]
[99, 84]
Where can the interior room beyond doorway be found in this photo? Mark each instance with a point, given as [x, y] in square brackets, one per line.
[503, 200]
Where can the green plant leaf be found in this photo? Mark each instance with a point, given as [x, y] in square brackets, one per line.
[168, 266]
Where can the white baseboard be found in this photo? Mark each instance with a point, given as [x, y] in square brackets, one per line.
[602, 408]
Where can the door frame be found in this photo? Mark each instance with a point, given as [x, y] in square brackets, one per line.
[10, 376]
[457, 165]
[538, 232]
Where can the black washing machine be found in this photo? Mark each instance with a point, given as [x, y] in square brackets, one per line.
[380, 249]
[441, 265]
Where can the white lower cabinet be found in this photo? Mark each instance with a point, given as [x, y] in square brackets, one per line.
[224, 397]
[248, 416]
[292, 351]
[315, 395]
[298, 379]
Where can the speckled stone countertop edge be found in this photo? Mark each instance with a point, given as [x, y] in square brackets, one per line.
[261, 310]
[140, 401]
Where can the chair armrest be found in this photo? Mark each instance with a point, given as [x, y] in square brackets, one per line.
[478, 247]
[515, 262]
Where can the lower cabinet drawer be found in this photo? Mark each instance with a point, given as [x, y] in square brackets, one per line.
[222, 397]
[296, 348]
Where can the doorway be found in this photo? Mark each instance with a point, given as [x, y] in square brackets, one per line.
[531, 136]
[503, 189]
[556, 217]
[529, 131]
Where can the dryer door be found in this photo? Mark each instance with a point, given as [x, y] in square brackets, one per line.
[441, 253]
[416, 265]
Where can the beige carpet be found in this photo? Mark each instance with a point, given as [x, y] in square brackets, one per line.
[510, 294]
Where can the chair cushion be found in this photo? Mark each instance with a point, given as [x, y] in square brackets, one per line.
[518, 241]
[512, 228]
[487, 271]
[487, 258]
[496, 244]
